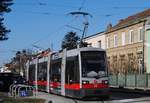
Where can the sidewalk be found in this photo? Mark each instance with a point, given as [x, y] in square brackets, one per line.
[40, 95]
[51, 97]
[60, 99]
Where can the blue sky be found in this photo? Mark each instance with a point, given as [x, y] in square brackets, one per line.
[42, 22]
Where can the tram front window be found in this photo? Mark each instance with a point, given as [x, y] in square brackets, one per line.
[93, 64]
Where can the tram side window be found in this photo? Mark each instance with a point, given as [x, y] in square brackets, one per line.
[32, 72]
[72, 70]
[55, 71]
[42, 71]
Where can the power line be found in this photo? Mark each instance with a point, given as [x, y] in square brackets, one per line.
[79, 8]
[128, 7]
[53, 32]
[42, 13]
[48, 13]
[74, 28]
[61, 27]
[8, 51]
[82, 4]
[45, 4]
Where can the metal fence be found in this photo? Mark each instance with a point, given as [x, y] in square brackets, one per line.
[130, 80]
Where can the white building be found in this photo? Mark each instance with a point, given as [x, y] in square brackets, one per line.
[4, 69]
[96, 40]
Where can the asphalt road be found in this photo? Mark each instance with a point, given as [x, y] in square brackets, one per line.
[116, 97]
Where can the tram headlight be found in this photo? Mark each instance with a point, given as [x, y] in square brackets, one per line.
[51, 85]
[105, 82]
[85, 82]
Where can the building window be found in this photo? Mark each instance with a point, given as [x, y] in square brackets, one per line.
[140, 34]
[123, 38]
[100, 44]
[131, 36]
[108, 42]
[115, 41]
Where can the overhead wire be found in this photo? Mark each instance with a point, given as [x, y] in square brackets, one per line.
[43, 13]
[47, 13]
[45, 4]
[61, 27]
[53, 32]
[79, 8]
[128, 7]
[82, 5]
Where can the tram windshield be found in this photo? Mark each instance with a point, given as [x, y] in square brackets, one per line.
[93, 64]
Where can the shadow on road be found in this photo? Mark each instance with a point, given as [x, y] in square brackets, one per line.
[121, 94]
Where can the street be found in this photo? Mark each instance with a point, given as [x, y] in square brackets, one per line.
[95, 50]
[116, 97]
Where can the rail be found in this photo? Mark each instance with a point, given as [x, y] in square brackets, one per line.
[20, 90]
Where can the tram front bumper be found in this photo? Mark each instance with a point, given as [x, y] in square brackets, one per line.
[83, 93]
[94, 92]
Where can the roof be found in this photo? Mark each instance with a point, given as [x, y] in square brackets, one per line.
[97, 34]
[133, 19]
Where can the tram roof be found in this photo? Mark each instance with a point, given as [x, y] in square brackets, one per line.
[69, 53]
[86, 49]
[74, 52]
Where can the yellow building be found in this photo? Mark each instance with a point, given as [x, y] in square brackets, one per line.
[125, 44]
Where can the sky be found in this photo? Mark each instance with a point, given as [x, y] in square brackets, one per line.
[43, 23]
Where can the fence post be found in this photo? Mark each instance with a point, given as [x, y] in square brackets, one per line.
[117, 84]
[125, 79]
[135, 80]
[146, 81]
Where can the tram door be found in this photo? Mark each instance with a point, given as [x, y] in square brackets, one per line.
[31, 74]
[72, 76]
[42, 76]
[55, 76]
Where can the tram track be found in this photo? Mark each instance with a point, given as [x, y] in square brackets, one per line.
[87, 101]
[116, 97]
[75, 101]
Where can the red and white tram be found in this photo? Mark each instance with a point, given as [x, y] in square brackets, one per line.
[76, 73]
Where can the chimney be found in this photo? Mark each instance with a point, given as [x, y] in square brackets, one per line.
[109, 26]
[121, 20]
